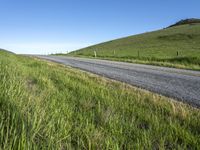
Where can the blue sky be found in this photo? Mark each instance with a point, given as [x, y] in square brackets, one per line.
[50, 26]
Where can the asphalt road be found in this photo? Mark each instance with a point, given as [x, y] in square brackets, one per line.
[182, 85]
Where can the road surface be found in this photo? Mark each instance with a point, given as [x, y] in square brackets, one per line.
[182, 85]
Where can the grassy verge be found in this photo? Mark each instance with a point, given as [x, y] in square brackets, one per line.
[44, 105]
[190, 63]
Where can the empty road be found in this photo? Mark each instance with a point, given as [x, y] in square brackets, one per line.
[183, 85]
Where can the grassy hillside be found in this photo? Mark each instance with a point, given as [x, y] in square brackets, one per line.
[5, 51]
[44, 105]
[177, 46]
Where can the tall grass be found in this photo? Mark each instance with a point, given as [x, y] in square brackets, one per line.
[48, 106]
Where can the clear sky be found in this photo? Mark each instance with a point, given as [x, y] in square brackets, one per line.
[49, 26]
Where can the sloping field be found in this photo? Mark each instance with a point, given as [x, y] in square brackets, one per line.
[177, 46]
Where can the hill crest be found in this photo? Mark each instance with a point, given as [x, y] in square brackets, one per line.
[189, 21]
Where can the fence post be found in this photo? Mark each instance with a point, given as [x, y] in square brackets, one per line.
[95, 54]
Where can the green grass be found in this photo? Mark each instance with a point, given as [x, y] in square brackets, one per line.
[44, 105]
[158, 48]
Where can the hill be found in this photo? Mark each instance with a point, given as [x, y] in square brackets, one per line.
[44, 105]
[191, 21]
[177, 46]
[6, 51]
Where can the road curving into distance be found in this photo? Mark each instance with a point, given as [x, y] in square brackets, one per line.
[182, 85]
